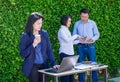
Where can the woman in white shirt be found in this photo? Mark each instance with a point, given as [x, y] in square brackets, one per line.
[66, 43]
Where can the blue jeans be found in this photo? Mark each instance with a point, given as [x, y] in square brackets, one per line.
[69, 78]
[90, 52]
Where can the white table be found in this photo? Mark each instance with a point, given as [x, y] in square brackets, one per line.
[56, 75]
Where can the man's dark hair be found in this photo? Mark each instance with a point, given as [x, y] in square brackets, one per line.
[64, 19]
[84, 10]
[31, 20]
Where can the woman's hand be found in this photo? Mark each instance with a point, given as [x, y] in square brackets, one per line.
[56, 66]
[80, 38]
[37, 40]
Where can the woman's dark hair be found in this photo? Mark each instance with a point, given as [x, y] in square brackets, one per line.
[31, 20]
[84, 10]
[64, 19]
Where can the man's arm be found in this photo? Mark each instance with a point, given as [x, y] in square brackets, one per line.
[75, 29]
[96, 34]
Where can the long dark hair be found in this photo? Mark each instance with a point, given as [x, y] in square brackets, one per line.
[31, 20]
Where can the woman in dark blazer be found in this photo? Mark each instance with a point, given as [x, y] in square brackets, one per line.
[35, 48]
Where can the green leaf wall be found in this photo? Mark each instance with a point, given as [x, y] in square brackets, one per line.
[13, 16]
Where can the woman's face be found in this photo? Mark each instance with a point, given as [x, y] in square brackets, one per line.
[37, 25]
[68, 22]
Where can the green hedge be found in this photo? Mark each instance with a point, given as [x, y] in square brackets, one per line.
[13, 16]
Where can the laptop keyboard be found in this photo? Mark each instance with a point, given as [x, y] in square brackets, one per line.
[52, 70]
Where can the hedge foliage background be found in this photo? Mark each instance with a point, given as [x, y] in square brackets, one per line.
[13, 16]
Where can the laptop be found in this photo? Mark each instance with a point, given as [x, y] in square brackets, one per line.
[67, 63]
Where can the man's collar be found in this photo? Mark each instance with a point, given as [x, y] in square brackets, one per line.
[86, 22]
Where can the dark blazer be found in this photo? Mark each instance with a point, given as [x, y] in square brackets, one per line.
[27, 51]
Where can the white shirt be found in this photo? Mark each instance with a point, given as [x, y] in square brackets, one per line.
[66, 41]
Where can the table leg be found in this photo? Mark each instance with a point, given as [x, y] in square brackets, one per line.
[43, 77]
[105, 75]
[56, 79]
[90, 76]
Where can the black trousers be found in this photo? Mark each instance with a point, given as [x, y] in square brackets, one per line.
[69, 78]
[35, 76]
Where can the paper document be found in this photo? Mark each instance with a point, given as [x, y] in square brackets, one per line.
[83, 66]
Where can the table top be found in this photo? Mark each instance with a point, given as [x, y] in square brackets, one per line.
[73, 71]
